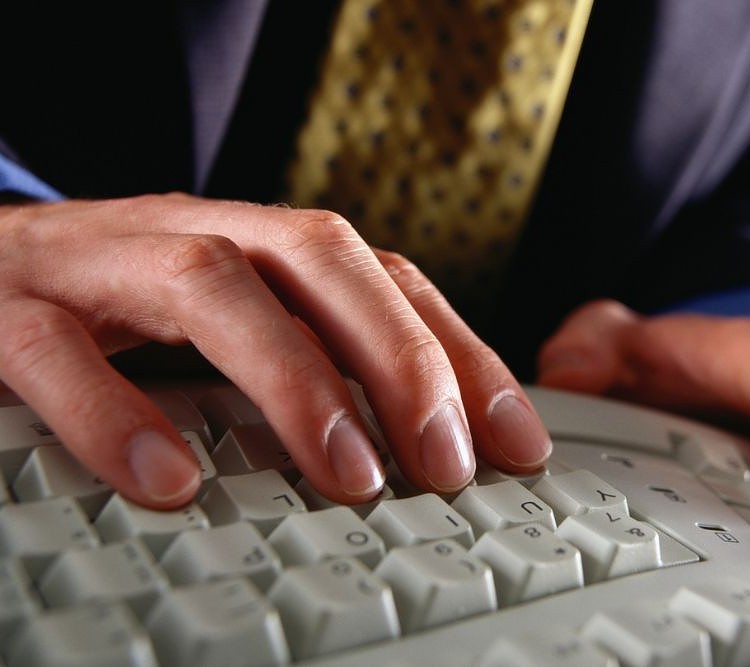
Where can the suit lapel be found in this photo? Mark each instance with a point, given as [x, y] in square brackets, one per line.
[219, 36]
[693, 121]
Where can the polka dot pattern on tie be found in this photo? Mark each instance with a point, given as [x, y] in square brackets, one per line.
[432, 121]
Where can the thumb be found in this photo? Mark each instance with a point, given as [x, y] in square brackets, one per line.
[586, 352]
[680, 362]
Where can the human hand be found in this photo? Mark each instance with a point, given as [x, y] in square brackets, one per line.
[80, 280]
[686, 363]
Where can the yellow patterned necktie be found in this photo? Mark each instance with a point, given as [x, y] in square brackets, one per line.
[432, 121]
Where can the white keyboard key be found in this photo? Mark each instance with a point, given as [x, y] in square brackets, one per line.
[90, 635]
[333, 605]
[227, 406]
[4, 494]
[423, 518]
[720, 459]
[52, 471]
[732, 491]
[612, 548]
[264, 499]
[575, 416]
[649, 635]
[18, 600]
[21, 430]
[580, 492]
[183, 414]
[721, 606]
[236, 549]
[672, 552]
[121, 519]
[528, 562]
[208, 469]
[402, 487]
[125, 571]
[227, 623]
[487, 474]
[247, 448]
[502, 505]
[316, 501]
[303, 539]
[38, 531]
[551, 646]
[247, 443]
[436, 583]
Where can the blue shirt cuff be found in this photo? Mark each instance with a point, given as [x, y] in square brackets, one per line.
[14, 178]
[729, 303]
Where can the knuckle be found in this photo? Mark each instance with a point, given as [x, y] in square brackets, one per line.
[605, 309]
[400, 268]
[322, 243]
[475, 360]
[177, 197]
[203, 271]
[411, 281]
[319, 224]
[478, 364]
[160, 200]
[419, 359]
[320, 231]
[197, 255]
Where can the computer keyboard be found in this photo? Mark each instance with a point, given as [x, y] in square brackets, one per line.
[631, 548]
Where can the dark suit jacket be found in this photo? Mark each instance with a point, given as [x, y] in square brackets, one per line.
[645, 197]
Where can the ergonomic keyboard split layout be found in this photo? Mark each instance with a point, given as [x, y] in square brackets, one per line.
[631, 548]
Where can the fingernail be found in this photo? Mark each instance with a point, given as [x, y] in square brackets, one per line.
[353, 459]
[518, 432]
[445, 450]
[163, 471]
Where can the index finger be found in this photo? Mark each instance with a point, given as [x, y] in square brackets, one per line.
[324, 272]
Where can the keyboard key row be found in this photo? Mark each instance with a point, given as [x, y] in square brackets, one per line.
[611, 542]
[701, 625]
[341, 604]
[417, 560]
